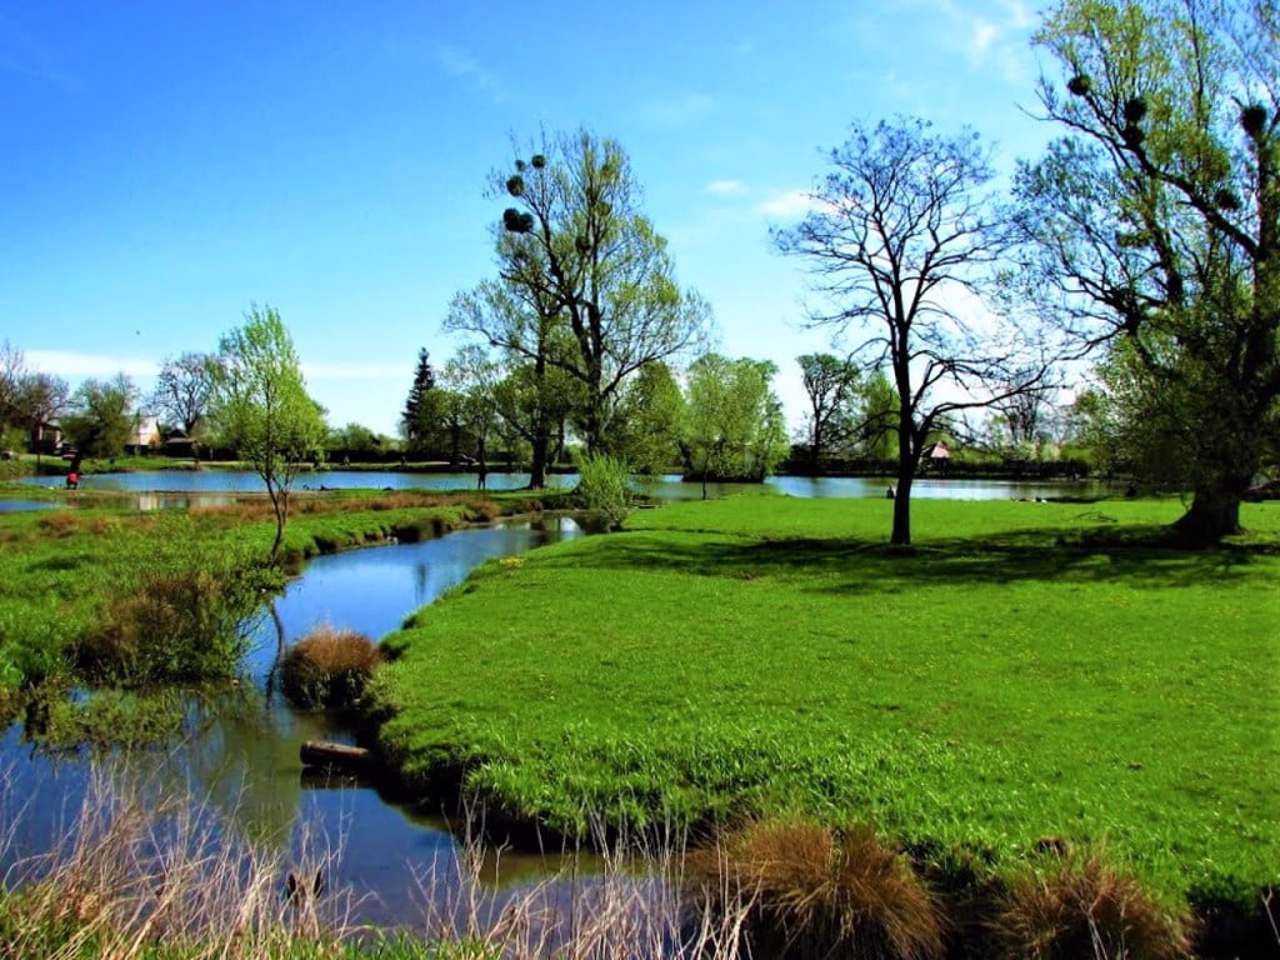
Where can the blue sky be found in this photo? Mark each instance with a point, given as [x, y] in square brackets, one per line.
[166, 163]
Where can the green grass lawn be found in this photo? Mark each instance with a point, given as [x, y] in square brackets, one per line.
[1001, 682]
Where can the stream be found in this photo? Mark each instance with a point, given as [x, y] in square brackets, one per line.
[243, 760]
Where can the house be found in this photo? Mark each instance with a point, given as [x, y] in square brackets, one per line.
[46, 437]
[939, 454]
[145, 435]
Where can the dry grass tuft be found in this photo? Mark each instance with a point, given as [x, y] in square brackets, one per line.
[820, 892]
[328, 668]
[1083, 908]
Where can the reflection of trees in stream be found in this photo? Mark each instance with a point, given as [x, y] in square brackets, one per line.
[244, 764]
[422, 583]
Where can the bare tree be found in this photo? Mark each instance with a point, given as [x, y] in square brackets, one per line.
[900, 233]
[184, 390]
[13, 374]
[44, 398]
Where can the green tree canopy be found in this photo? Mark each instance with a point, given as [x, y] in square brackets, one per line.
[1152, 228]
[101, 418]
[262, 407]
[733, 425]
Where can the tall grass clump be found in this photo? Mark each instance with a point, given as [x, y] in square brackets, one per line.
[182, 615]
[1080, 907]
[328, 668]
[604, 487]
[820, 892]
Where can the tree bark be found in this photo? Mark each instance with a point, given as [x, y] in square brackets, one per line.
[1214, 513]
[908, 457]
[538, 466]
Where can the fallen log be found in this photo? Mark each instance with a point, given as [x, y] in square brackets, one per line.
[321, 753]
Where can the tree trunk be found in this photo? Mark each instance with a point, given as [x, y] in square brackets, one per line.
[902, 508]
[907, 460]
[1214, 513]
[538, 466]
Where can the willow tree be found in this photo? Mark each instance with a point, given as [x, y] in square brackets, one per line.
[261, 406]
[902, 234]
[576, 253]
[1155, 230]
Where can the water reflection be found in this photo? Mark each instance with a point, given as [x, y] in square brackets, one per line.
[242, 758]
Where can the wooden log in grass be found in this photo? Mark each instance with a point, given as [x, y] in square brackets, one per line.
[321, 753]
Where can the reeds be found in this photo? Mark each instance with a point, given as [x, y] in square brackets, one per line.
[1081, 907]
[328, 668]
[141, 877]
[819, 892]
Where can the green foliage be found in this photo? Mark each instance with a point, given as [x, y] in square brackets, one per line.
[180, 616]
[588, 285]
[831, 385]
[1141, 239]
[420, 418]
[733, 426]
[1004, 682]
[604, 487]
[646, 425]
[14, 438]
[101, 418]
[879, 400]
[262, 408]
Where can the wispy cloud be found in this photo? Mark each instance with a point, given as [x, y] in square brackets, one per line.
[23, 54]
[677, 110]
[787, 204]
[726, 188]
[460, 64]
[71, 363]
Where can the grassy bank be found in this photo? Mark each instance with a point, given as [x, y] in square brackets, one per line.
[1028, 671]
[71, 580]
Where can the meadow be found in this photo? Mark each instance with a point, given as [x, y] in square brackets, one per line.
[95, 579]
[1028, 674]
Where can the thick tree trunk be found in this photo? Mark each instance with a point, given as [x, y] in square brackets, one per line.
[1214, 513]
[902, 507]
[538, 466]
[907, 460]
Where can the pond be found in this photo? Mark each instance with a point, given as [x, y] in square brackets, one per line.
[13, 506]
[243, 759]
[668, 487]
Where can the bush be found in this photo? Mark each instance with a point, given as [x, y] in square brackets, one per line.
[1085, 909]
[819, 892]
[186, 618]
[604, 487]
[328, 668]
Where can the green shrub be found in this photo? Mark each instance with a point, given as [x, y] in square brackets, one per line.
[183, 617]
[328, 668]
[604, 487]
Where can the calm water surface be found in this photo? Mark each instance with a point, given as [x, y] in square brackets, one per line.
[669, 487]
[244, 758]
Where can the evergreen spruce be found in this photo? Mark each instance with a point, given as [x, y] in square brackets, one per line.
[424, 381]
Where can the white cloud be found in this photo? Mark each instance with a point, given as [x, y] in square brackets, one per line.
[70, 363]
[984, 34]
[787, 204]
[726, 188]
[459, 63]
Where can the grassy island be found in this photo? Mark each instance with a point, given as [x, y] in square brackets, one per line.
[1026, 671]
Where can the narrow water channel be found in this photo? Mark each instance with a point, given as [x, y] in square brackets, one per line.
[243, 759]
